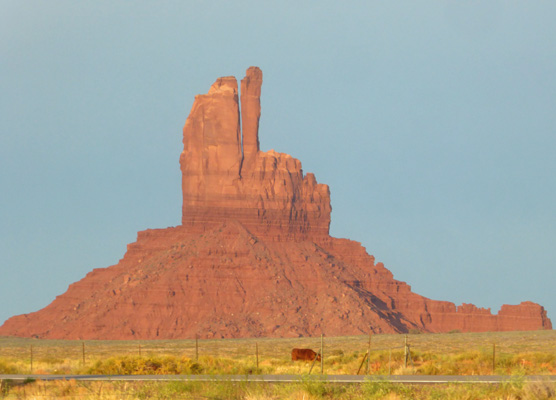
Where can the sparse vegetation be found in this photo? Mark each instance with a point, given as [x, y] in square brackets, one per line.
[431, 354]
[66, 390]
[517, 354]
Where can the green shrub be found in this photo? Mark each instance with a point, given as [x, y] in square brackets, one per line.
[376, 390]
[152, 365]
[539, 390]
[7, 368]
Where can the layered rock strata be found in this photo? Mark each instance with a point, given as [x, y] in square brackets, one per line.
[225, 176]
[253, 256]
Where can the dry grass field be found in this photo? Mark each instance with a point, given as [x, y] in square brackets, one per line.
[516, 354]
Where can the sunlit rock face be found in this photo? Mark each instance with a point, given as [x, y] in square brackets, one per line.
[226, 177]
[253, 256]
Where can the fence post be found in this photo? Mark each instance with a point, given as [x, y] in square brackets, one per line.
[369, 356]
[362, 362]
[257, 353]
[31, 359]
[405, 353]
[83, 353]
[493, 357]
[390, 362]
[321, 354]
[196, 348]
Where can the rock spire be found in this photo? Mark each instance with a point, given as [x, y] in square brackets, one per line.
[226, 177]
[251, 112]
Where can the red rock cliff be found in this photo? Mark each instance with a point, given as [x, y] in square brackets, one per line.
[253, 256]
[225, 176]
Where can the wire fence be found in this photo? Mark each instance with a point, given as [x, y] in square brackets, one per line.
[360, 354]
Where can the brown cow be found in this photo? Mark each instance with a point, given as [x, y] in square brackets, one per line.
[304, 354]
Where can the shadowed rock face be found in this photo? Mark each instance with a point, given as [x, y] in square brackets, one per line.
[253, 256]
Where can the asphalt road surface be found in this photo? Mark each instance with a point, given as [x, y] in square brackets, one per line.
[406, 379]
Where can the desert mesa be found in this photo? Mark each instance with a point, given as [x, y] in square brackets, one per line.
[252, 257]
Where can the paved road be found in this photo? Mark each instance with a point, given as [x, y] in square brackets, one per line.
[411, 379]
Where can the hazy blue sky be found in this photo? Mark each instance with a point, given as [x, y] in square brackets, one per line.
[433, 122]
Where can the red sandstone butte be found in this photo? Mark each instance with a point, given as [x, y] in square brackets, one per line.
[253, 256]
